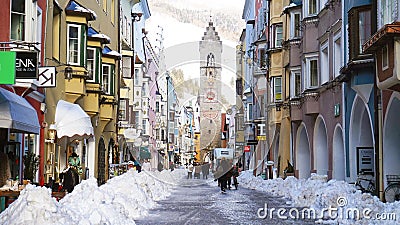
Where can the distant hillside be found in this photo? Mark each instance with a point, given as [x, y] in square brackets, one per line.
[227, 21]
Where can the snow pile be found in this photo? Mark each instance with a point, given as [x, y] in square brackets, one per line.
[318, 194]
[119, 201]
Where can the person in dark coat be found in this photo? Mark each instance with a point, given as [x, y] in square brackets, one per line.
[205, 170]
[221, 174]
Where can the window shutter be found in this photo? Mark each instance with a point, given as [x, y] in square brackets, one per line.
[83, 46]
[98, 66]
[112, 79]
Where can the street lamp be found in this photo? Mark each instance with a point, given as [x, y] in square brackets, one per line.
[167, 138]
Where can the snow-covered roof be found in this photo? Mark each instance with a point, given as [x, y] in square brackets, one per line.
[107, 51]
[291, 5]
[92, 33]
[75, 7]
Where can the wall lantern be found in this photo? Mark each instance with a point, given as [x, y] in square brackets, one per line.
[68, 72]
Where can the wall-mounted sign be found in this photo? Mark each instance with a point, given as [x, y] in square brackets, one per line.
[7, 67]
[337, 110]
[247, 148]
[47, 77]
[26, 65]
[365, 160]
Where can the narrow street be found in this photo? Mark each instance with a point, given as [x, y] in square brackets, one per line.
[197, 202]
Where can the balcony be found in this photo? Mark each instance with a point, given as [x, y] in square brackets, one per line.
[388, 78]
[274, 113]
[310, 103]
[75, 83]
[91, 99]
[296, 112]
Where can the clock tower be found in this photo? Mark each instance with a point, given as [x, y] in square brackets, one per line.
[210, 48]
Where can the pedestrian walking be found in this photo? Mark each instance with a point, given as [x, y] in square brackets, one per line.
[190, 171]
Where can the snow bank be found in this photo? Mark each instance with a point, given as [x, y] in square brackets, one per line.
[318, 194]
[119, 201]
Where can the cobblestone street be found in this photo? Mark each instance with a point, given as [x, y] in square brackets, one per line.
[196, 202]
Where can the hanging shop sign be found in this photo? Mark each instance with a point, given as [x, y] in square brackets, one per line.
[26, 65]
[7, 67]
[47, 76]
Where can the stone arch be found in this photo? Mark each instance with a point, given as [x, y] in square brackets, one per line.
[320, 148]
[391, 138]
[339, 163]
[303, 156]
[360, 133]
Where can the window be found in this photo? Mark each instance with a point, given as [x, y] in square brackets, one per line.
[157, 106]
[18, 20]
[162, 110]
[262, 58]
[295, 25]
[73, 44]
[278, 38]
[359, 29]
[311, 75]
[136, 77]
[144, 126]
[337, 55]
[277, 89]
[249, 111]
[91, 64]
[105, 5]
[324, 63]
[386, 11]
[126, 67]
[122, 109]
[295, 83]
[385, 57]
[136, 118]
[106, 78]
[112, 11]
[312, 7]
[56, 32]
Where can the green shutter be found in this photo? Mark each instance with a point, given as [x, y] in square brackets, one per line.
[98, 66]
[112, 81]
[83, 45]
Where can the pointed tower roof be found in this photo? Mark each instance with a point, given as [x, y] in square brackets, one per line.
[210, 33]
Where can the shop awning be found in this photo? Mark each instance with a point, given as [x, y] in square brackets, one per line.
[72, 121]
[17, 114]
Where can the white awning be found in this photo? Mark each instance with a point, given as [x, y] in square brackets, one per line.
[72, 121]
[17, 114]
